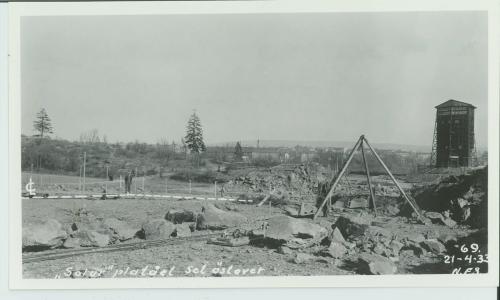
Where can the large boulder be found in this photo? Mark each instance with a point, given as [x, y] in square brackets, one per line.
[301, 258]
[182, 230]
[71, 243]
[336, 236]
[283, 229]
[157, 229]
[48, 234]
[438, 218]
[336, 250]
[91, 238]
[376, 264]
[296, 210]
[395, 247]
[376, 231]
[121, 229]
[86, 221]
[415, 238]
[358, 202]
[435, 217]
[177, 216]
[352, 226]
[217, 219]
[449, 222]
[433, 246]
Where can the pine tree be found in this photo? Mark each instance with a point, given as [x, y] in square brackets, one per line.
[194, 135]
[42, 124]
[238, 151]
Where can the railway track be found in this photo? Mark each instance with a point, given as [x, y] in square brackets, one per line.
[60, 254]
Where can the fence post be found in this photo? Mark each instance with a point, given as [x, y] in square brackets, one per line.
[84, 170]
[215, 189]
[143, 179]
[190, 191]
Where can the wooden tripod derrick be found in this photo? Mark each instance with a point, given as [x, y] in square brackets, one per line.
[359, 145]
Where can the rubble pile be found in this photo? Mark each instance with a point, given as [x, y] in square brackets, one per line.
[354, 240]
[459, 199]
[285, 184]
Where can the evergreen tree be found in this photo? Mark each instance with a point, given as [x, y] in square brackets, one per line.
[194, 135]
[42, 125]
[238, 151]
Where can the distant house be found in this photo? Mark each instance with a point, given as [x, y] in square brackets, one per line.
[307, 157]
[338, 149]
[275, 154]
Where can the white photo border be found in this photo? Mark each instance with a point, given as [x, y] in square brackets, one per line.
[18, 10]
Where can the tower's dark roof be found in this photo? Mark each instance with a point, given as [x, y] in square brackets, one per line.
[452, 102]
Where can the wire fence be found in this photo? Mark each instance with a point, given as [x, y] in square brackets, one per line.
[49, 184]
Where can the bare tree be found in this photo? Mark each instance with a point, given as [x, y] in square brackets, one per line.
[90, 137]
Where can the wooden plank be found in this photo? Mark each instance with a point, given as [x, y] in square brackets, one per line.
[371, 202]
[264, 200]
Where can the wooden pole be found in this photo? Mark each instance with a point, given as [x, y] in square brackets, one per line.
[143, 180]
[337, 178]
[135, 182]
[215, 190]
[371, 203]
[413, 205]
[190, 190]
[84, 170]
[80, 177]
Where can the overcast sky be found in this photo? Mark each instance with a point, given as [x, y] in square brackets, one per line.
[321, 77]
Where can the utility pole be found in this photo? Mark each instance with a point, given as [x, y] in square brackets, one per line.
[135, 181]
[80, 178]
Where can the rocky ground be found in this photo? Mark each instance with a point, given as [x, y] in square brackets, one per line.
[273, 240]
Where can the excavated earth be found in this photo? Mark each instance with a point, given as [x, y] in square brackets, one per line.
[351, 240]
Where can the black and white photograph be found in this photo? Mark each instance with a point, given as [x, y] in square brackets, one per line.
[254, 145]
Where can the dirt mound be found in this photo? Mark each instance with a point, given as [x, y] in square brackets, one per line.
[463, 198]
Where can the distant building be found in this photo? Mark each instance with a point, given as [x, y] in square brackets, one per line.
[453, 144]
[307, 157]
[274, 154]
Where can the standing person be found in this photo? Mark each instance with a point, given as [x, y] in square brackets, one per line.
[222, 190]
[125, 179]
[128, 181]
